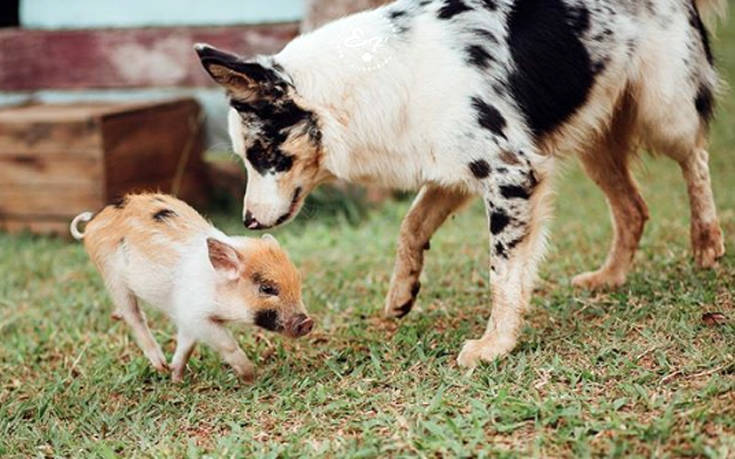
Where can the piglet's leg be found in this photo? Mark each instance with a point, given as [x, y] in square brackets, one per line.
[517, 203]
[222, 341]
[184, 347]
[127, 308]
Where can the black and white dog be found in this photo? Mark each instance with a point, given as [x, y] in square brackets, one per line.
[481, 97]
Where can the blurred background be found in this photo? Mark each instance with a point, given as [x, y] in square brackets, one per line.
[102, 98]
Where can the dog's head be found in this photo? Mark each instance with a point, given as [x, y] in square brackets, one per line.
[275, 133]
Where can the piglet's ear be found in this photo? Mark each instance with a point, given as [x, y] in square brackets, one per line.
[224, 258]
[245, 80]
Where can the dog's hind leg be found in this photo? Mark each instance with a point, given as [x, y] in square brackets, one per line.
[430, 209]
[629, 214]
[676, 103]
[608, 165]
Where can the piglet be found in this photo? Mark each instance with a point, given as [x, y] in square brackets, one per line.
[155, 248]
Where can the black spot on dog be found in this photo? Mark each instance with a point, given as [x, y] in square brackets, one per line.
[498, 221]
[490, 4]
[276, 66]
[500, 250]
[415, 289]
[514, 192]
[399, 20]
[478, 56]
[163, 215]
[480, 168]
[268, 319]
[704, 102]
[405, 308]
[554, 72]
[579, 19]
[599, 66]
[452, 8]
[489, 117]
[272, 122]
[695, 19]
[512, 244]
[265, 159]
[485, 35]
[427, 246]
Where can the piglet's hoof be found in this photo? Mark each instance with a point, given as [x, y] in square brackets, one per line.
[247, 375]
[158, 361]
[177, 375]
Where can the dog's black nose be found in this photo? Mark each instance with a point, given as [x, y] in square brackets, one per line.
[250, 222]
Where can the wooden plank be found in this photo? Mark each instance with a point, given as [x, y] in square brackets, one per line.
[56, 170]
[33, 201]
[40, 138]
[124, 58]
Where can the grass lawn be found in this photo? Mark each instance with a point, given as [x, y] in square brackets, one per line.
[634, 371]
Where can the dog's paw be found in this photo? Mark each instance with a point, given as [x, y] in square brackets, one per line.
[707, 244]
[401, 298]
[597, 280]
[476, 351]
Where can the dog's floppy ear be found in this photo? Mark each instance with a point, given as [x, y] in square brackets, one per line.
[245, 80]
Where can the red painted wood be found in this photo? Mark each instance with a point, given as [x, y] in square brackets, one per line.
[123, 58]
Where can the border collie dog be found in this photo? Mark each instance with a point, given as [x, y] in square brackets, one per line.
[460, 98]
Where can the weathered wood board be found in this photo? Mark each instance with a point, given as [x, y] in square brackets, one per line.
[124, 57]
[59, 160]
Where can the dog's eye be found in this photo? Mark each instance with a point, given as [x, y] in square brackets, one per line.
[268, 289]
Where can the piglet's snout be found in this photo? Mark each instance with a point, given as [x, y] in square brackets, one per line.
[300, 325]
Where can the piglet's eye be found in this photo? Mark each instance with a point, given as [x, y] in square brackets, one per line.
[267, 289]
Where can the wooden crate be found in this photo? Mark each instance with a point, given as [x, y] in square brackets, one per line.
[59, 160]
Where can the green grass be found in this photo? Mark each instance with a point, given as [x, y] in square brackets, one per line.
[628, 372]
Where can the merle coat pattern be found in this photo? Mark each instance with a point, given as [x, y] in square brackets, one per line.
[482, 97]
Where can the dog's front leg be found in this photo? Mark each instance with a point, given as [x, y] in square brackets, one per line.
[430, 209]
[517, 204]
